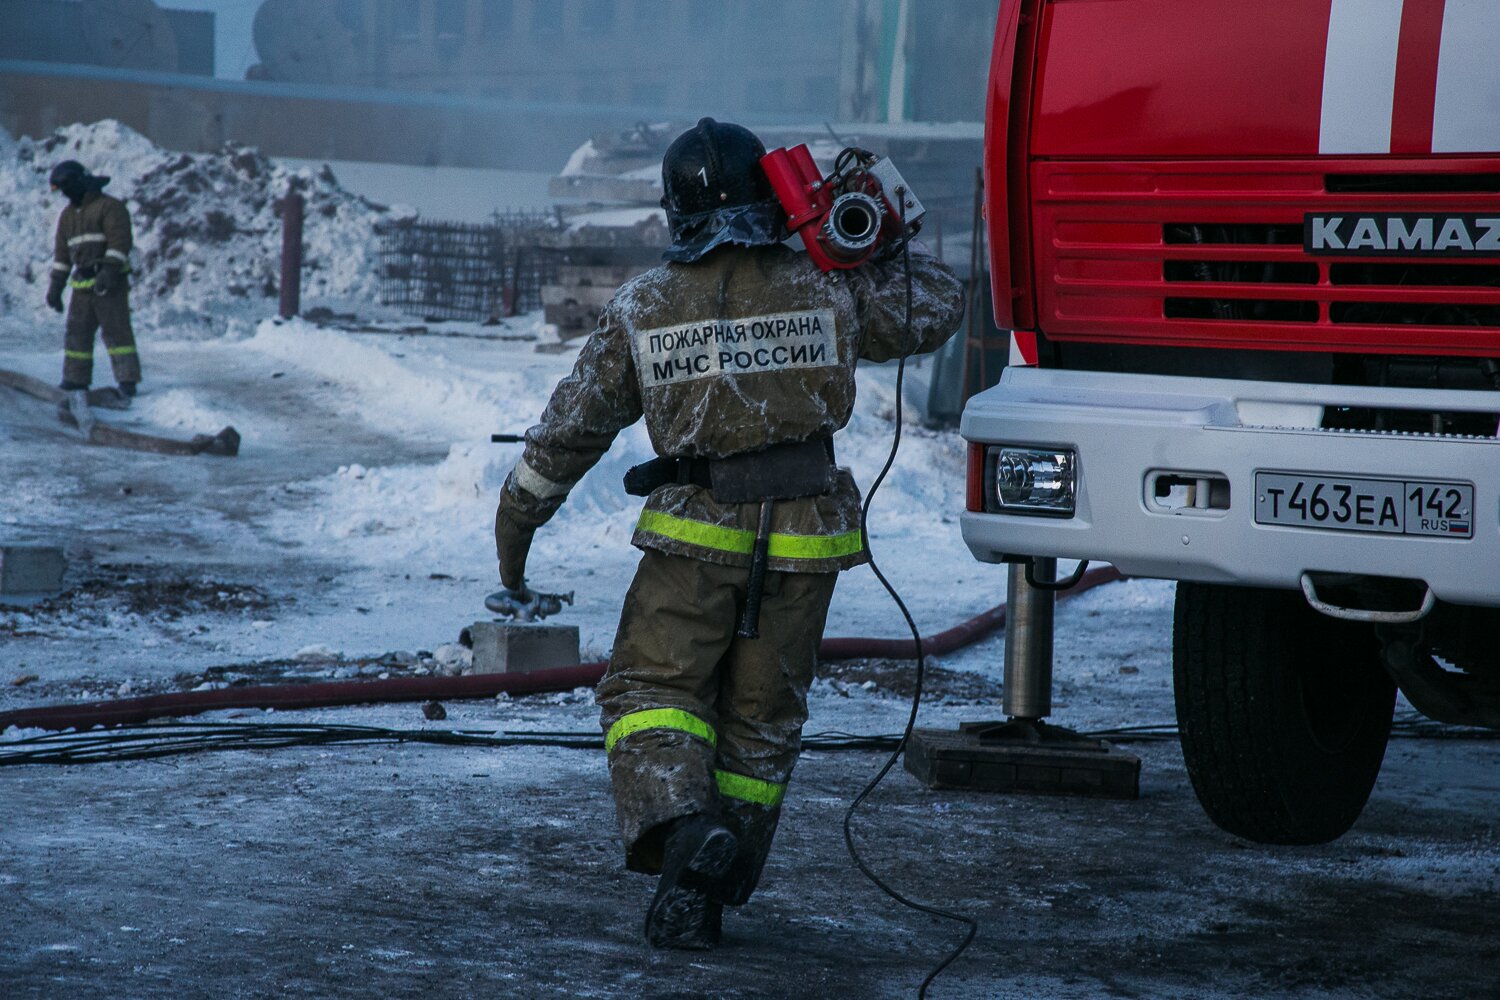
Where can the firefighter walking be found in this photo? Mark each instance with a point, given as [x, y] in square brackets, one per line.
[740, 355]
[91, 254]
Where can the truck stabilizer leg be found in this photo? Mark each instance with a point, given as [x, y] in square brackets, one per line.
[1024, 754]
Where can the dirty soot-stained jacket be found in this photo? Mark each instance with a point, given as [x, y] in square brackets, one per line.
[90, 233]
[745, 349]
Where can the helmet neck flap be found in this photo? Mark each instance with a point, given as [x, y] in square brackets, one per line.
[715, 192]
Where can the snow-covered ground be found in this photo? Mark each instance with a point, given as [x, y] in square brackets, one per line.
[366, 460]
[352, 535]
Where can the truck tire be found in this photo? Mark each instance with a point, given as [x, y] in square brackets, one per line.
[1284, 713]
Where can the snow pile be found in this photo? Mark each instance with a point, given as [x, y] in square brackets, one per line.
[439, 515]
[182, 410]
[391, 393]
[207, 226]
[579, 162]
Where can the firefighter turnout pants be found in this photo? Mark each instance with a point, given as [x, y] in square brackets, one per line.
[110, 315]
[699, 720]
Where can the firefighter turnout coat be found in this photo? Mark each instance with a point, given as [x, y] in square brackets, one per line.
[89, 233]
[745, 349]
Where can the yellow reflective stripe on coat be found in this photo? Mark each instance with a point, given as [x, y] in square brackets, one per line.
[659, 718]
[79, 355]
[762, 793]
[115, 352]
[86, 283]
[740, 540]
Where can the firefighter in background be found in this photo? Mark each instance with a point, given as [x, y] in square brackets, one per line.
[92, 255]
[740, 353]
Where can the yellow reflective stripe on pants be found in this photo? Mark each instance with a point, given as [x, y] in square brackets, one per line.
[740, 540]
[79, 355]
[659, 718]
[115, 352]
[762, 793]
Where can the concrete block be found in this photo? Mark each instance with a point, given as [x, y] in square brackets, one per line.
[31, 569]
[521, 647]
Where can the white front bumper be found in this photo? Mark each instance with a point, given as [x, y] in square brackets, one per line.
[1125, 426]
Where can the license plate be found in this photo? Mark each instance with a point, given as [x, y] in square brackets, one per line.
[1388, 506]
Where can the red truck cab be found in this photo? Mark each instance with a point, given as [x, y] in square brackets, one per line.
[1250, 253]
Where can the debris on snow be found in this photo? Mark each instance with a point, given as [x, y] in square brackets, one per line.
[451, 659]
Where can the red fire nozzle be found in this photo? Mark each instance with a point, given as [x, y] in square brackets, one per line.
[838, 231]
[841, 218]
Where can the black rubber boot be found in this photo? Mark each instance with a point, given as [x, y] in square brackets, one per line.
[109, 398]
[128, 388]
[699, 850]
[754, 827]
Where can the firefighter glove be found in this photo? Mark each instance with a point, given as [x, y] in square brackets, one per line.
[106, 280]
[512, 543]
[54, 294]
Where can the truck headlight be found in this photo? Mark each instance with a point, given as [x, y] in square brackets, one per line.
[1035, 480]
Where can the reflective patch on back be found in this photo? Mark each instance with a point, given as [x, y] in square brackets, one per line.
[754, 344]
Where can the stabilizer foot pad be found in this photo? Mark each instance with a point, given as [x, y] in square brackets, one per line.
[1061, 764]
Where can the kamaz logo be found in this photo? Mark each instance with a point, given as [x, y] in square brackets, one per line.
[1449, 235]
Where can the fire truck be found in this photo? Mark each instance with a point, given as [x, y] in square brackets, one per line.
[1250, 253]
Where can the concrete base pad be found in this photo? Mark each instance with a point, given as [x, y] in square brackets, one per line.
[520, 647]
[31, 569]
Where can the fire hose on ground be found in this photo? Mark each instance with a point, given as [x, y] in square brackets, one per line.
[328, 694]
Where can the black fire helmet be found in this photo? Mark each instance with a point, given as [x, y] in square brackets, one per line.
[715, 191]
[73, 180]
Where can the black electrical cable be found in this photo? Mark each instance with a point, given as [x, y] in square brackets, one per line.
[916, 699]
[861, 157]
[167, 739]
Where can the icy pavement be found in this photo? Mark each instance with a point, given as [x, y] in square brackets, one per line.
[351, 536]
[444, 872]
